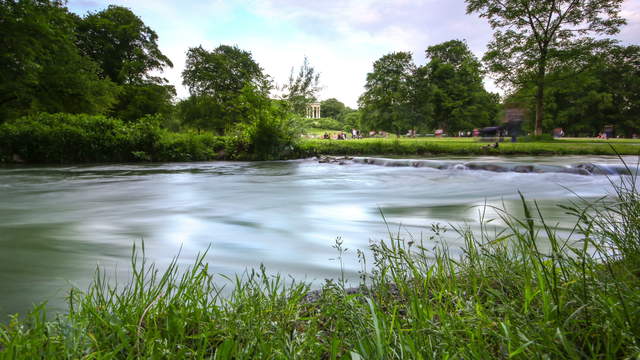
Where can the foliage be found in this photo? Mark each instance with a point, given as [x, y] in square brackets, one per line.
[353, 119]
[453, 92]
[216, 80]
[386, 103]
[66, 138]
[521, 291]
[302, 89]
[268, 130]
[332, 108]
[41, 69]
[603, 90]
[324, 123]
[222, 72]
[139, 100]
[201, 112]
[535, 36]
[124, 47]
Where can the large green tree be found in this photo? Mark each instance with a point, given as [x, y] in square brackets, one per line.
[119, 41]
[583, 97]
[41, 68]
[332, 108]
[451, 94]
[222, 72]
[127, 52]
[217, 81]
[387, 103]
[531, 36]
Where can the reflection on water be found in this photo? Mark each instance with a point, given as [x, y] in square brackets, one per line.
[58, 223]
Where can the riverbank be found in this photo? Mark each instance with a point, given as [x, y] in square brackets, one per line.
[511, 294]
[64, 139]
[180, 147]
[464, 146]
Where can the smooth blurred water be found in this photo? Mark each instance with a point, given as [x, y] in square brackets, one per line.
[57, 223]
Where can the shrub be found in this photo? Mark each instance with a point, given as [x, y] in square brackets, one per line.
[324, 123]
[65, 138]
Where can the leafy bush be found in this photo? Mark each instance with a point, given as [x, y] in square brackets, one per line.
[268, 136]
[65, 138]
[268, 130]
[324, 123]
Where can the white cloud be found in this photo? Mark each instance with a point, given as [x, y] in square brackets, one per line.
[342, 38]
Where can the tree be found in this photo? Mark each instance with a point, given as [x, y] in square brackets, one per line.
[216, 79]
[451, 95]
[137, 101]
[41, 69]
[386, 103]
[603, 89]
[223, 71]
[533, 35]
[127, 52]
[332, 108]
[301, 90]
[124, 47]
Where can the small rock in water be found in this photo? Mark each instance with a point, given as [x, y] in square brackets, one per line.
[334, 160]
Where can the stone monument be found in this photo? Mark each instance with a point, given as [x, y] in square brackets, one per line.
[313, 110]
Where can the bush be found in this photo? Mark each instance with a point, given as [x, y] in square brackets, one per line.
[324, 123]
[66, 138]
[269, 132]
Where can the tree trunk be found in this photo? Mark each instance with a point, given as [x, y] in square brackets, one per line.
[539, 108]
[542, 67]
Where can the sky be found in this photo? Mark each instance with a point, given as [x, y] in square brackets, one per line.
[341, 38]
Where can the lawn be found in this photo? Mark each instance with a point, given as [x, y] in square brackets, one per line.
[465, 146]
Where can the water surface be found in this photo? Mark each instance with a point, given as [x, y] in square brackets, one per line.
[57, 223]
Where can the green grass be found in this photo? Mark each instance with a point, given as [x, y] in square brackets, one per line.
[513, 294]
[460, 146]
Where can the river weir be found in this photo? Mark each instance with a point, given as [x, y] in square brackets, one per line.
[494, 166]
[57, 223]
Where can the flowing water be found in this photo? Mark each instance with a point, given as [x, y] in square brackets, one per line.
[57, 223]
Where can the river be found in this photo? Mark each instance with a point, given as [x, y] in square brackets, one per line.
[58, 223]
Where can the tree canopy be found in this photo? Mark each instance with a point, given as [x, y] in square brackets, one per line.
[302, 88]
[119, 41]
[603, 90]
[386, 103]
[532, 36]
[216, 80]
[41, 69]
[454, 96]
[332, 108]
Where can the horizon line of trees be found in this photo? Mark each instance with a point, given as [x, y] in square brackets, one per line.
[103, 63]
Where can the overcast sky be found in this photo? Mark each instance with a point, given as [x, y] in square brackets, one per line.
[341, 38]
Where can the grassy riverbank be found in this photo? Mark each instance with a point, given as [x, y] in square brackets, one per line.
[511, 294]
[464, 146]
[65, 138]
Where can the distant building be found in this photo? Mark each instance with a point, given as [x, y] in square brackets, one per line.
[313, 110]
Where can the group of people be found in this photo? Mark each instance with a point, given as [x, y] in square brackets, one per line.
[355, 134]
[339, 136]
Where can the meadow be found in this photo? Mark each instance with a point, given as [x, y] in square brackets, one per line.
[465, 146]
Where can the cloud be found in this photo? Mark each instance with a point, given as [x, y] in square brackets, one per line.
[342, 38]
